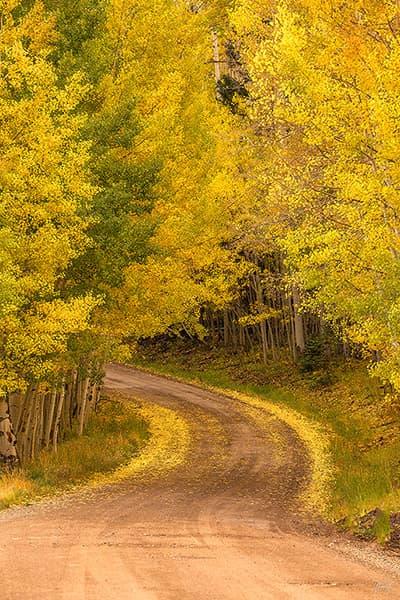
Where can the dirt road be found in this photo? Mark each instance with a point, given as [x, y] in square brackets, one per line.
[224, 526]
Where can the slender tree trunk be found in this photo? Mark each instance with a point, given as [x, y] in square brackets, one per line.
[84, 403]
[226, 329]
[97, 398]
[242, 338]
[36, 417]
[92, 395]
[217, 65]
[298, 322]
[69, 400]
[260, 307]
[16, 409]
[8, 440]
[271, 335]
[27, 423]
[58, 416]
[50, 418]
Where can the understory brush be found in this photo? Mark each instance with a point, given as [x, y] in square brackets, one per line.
[113, 436]
[363, 425]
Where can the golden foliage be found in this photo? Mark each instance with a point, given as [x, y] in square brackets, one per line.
[325, 113]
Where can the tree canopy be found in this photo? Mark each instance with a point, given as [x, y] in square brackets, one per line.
[168, 166]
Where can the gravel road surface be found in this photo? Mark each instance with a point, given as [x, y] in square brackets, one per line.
[226, 525]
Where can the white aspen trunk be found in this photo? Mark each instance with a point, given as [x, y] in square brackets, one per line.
[26, 425]
[58, 416]
[16, 409]
[90, 403]
[84, 402]
[217, 66]
[263, 324]
[298, 321]
[291, 340]
[25, 402]
[50, 418]
[8, 440]
[36, 415]
[65, 417]
[40, 436]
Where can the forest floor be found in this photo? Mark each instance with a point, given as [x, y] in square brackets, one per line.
[225, 523]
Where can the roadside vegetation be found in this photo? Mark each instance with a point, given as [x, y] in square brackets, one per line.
[363, 429]
[116, 434]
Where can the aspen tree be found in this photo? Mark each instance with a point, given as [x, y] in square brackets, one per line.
[324, 82]
[42, 187]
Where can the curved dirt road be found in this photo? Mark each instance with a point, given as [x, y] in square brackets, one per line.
[224, 526]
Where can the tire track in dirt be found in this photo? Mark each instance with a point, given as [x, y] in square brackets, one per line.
[223, 526]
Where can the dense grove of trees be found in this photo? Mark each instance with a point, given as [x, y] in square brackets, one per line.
[325, 113]
[116, 194]
[227, 169]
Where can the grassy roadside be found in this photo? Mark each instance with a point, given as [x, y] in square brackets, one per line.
[363, 428]
[116, 434]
